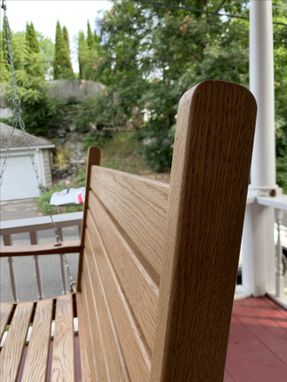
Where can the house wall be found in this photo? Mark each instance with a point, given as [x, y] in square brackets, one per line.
[47, 165]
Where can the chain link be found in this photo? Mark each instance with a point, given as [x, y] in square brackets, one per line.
[72, 282]
[18, 121]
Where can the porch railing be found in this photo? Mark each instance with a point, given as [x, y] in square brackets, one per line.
[31, 231]
[279, 204]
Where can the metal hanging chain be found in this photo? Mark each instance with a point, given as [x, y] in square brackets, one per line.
[14, 83]
[72, 282]
[18, 121]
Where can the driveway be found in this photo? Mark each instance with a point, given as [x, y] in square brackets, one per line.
[24, 268]
[19, 209]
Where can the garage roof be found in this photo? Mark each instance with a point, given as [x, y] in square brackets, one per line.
[18, 140]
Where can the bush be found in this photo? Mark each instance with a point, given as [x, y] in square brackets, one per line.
[97, 113]
[282, 172]
[157, 147]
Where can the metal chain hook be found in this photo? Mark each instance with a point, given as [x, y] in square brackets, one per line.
[4, 6]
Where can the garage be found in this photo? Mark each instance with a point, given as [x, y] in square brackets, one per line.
[19, 179]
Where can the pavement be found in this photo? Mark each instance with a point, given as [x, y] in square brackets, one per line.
[19, 209]
[24, 268]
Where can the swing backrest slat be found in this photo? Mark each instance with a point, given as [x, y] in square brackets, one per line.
[158, 262]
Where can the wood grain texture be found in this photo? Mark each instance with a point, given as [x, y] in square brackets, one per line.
[40, 249]
[136, 357]
[140, 207]
[63, 361]
[88, 368]
[10, 356]
[94, 158]
[108, 341]
[36, 363]
[5, 312]
[98, 355]
[209, 179]
[139, 288]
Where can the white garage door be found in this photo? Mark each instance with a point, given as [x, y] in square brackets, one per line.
[19, 180]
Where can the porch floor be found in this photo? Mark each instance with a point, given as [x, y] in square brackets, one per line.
[257, 349]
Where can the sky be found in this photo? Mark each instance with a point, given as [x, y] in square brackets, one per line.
[45, 13]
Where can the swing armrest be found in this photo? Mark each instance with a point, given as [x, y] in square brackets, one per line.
[40, 249]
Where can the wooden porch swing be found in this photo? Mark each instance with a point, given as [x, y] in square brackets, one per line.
[157, 265]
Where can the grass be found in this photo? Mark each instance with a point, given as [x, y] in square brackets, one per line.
[47, 209]
[121, 152]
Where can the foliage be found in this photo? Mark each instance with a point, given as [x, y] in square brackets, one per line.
[147, 54]
[88, 54]
[34, 61]
[4, 63]
[62, 63]
[119, 152]
[39, 111]
[98, 112]
[281, 172]
[151, 52]
[139, 68]
[4, 71]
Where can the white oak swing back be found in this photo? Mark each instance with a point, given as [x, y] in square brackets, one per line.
[158, 262]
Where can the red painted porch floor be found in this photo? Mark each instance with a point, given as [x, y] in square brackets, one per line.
[257, 349]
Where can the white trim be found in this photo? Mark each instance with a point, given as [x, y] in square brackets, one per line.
[241, 292]
[282, 301]
[24, 148]
[278, 202]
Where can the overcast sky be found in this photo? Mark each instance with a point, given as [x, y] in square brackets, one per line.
[45, 13]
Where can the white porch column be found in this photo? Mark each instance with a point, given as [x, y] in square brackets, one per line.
[258, 237]
[261, 66]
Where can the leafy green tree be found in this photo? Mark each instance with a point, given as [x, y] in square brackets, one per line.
[151, 52]
[90, 37]
[67, 41]
[48, 52]
[4, 69]
[280, 62]
[88, 54]
[34, 58]
[62, 63]
[83, 55]
[31, 38]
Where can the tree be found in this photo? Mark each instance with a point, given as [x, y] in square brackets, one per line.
[31, 38]
[151, 52]
[62, 63]
[48, 53]
[88, 54]
[34, 59]
[90, 37]
[83, 55]
[4, 67]
[67, 40]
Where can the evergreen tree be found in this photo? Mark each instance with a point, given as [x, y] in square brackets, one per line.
[88, 54]
[4, 64]
[82, 55]
[90, 37]
[34, 64]
[62, 63]
[31, 38]
[66, 39]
